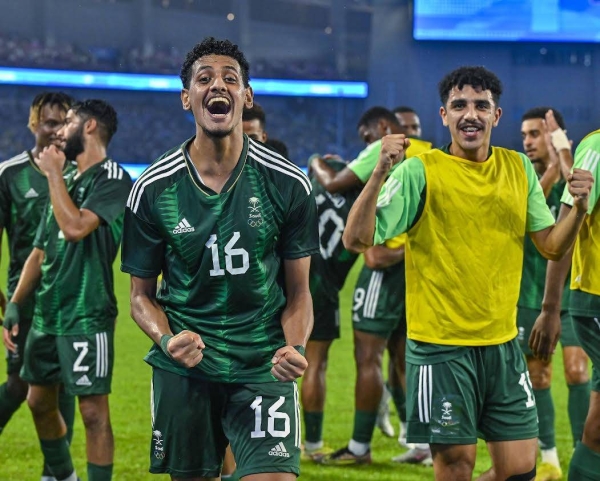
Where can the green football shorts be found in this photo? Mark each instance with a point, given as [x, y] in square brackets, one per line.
[588, 332]
[193, 421]
[526, 319]
[485, 393]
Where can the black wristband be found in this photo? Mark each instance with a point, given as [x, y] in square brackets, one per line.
[300, 349]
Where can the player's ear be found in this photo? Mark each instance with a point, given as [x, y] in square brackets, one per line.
[185, 99]
[249, 97]
[497, 116]
[444, 116]
[90, 125]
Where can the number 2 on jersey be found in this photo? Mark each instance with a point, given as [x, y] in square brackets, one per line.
[230, 253]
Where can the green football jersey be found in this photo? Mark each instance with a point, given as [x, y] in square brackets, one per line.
[23, 196]
[76, 292]
[329, 268]
[533, 279]
[221, 255]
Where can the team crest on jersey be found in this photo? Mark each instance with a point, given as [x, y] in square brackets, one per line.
[158, 441]
[255, 216]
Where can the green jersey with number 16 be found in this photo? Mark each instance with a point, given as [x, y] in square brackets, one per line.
[221, 255]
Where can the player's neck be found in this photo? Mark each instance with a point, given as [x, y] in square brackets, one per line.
[480, 154]
[92, 155]
[215, 158]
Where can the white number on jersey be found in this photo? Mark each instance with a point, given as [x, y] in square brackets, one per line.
[230, 253]
[83, 347]
[273, 415]
[525, 382]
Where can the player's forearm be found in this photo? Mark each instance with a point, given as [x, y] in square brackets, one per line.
[66, 213]
[324, 174]
[381, 257]
[360, 226]
[149, 316]
[556, 275]
[566, 162]
[297, 318]
[562, 236]
[30, 276]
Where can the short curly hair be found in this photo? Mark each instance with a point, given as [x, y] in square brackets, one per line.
[212, 46]
[60, 99]
[475, 76]
[103, 112]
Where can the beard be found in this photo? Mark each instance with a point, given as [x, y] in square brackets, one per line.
[74, 145]
[216, 134]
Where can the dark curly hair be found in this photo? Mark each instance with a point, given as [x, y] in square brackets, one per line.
[212, 46]
[104, 113]
[540, 113]
[61, 99]
[374, 115]
[473, 76]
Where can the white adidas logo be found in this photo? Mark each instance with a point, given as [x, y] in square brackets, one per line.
[83, 381]
[279, 450]
[31, 193]
[183, 226]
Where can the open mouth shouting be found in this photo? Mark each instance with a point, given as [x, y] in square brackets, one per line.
[218, 107]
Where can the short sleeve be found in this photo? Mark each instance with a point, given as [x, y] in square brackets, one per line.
[399, 199]
[587, 156]
[539, 216]
[142, 249]
[300, 235]
[109, 194]
[366, 161]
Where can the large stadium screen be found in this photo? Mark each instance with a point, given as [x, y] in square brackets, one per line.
[507, 20]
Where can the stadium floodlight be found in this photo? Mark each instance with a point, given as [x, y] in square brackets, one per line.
[172, 83]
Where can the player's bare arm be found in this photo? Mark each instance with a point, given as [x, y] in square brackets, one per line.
[546, 330]
[380, 256]
[296, 321]
[553, 242]
[75, 223]
[185, 348]
[360, 227]
[333, 181]
[28, 282]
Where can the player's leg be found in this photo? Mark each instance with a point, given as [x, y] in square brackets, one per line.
[511, 460]
[262, 422]
[228, 471]
[14, 391]
[86, 364]
[540, 373]
[188, 441]
[508, 420]
[396, 383]
[576, 365]
[41, 369]
[442, 408]
[313, 393]
[586, 457]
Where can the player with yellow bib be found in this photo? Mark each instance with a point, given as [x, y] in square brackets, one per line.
[466, 209]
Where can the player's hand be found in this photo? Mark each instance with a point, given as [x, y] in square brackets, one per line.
[393, 148]
[288, 364]
[186, 348]
[545, 335]
[11, 326]
[580, 185]
[558, 137]
[51, 160]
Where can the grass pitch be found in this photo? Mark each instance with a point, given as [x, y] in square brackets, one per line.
[20, 456]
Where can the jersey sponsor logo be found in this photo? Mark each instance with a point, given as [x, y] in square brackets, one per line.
[31, 194]
[254, 217]
[83, 381]
[183, 226]
[279, 450]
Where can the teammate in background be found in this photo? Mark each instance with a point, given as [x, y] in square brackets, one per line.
[584, 304]
[328, 271]
[23, 196]
[254, 121]
[278, 146]
[71, 341]
[410, 124]
[232, 318]
[377, 309]
[537, 125]
[470, 204]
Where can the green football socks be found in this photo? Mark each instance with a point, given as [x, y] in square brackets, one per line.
[313, 425]
[584, 464]
[545, 408]
[579, 404]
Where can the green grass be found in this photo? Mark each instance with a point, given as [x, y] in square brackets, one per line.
[20, 457]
